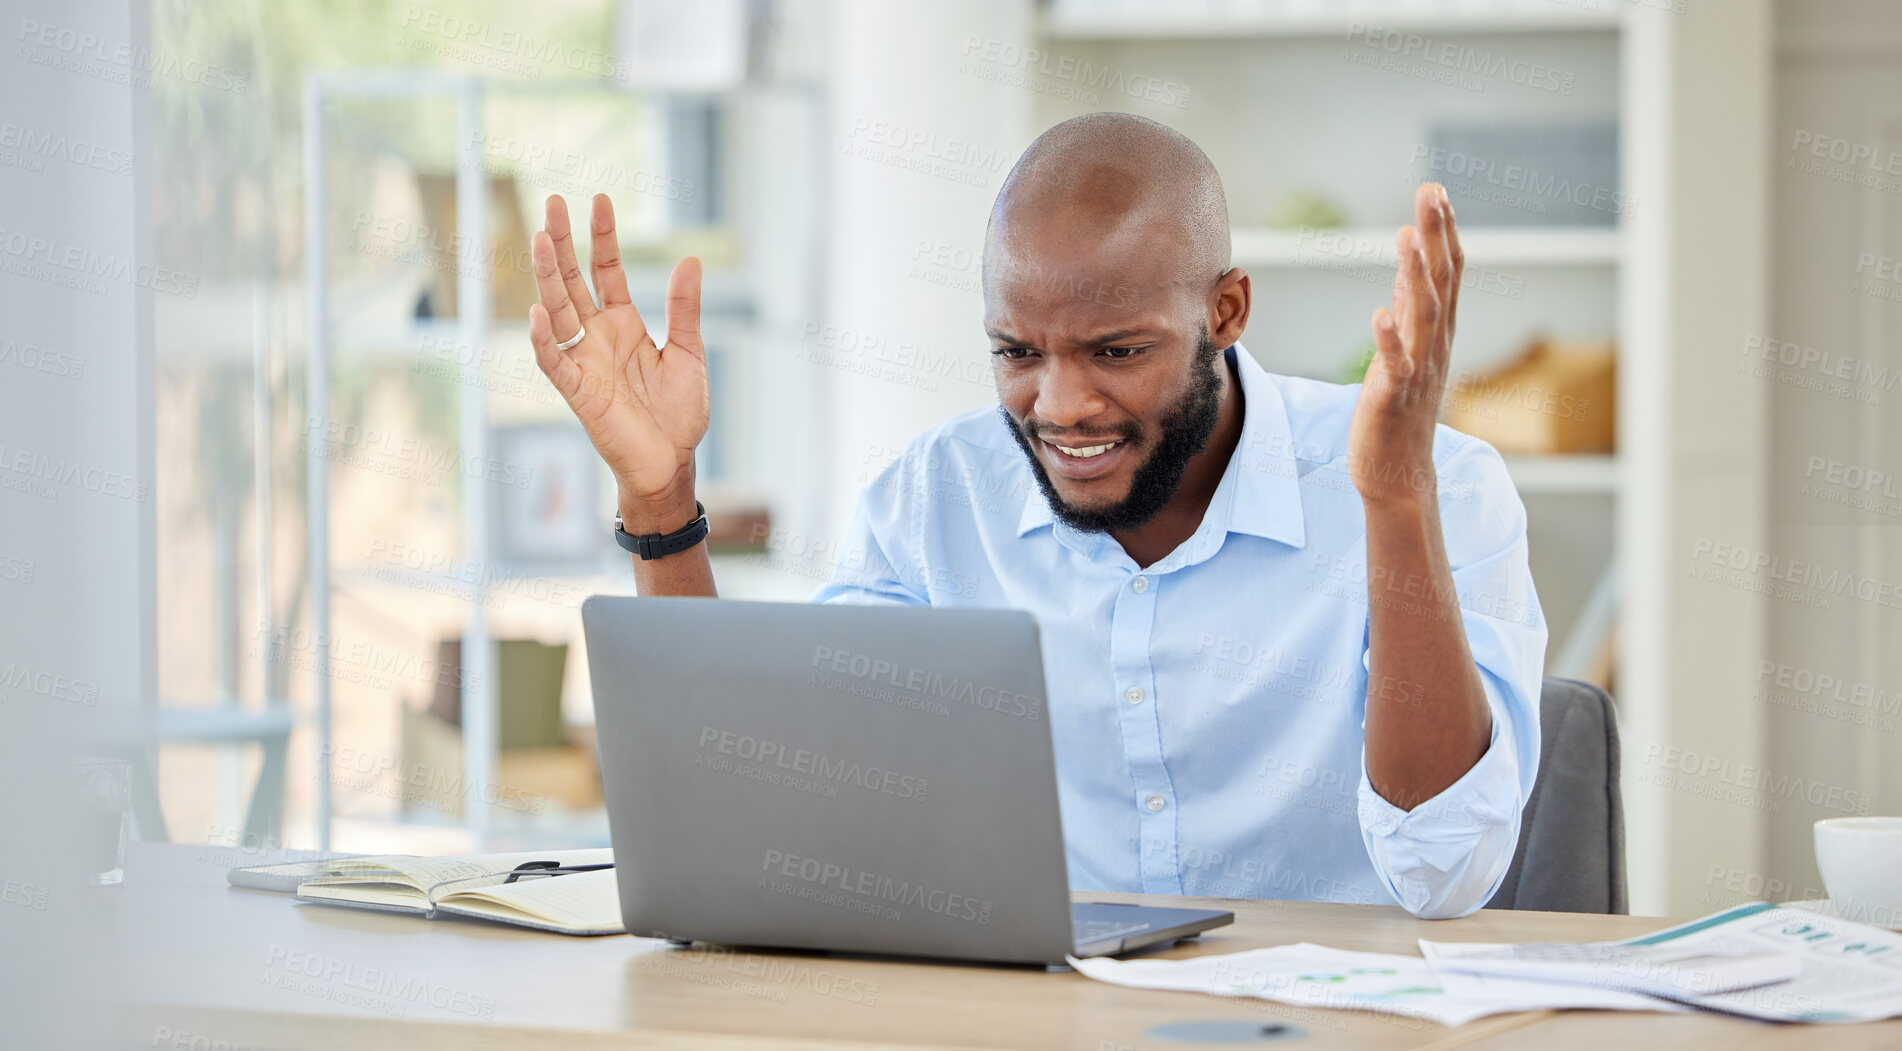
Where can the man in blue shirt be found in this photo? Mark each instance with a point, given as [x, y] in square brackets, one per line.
[1275, 612]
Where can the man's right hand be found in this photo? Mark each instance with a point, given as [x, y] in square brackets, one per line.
[645, 407]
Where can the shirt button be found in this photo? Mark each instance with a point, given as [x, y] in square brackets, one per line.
[1155, 802]
[1139, 585]
[1135, 694]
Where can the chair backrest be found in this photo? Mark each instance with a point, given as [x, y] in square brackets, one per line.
[1571, 855]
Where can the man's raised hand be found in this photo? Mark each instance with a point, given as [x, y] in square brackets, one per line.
[1390, 442]
[644, 406]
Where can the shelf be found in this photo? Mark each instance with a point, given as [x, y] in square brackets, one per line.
[1266, 248]
[381, 317]
[1178, 24]
[1564, 473]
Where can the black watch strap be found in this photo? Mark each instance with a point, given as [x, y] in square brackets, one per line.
[650, 546]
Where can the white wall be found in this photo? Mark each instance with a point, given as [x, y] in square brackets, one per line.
[75, 531]
[1693, 428]
[1839, 82]
[894, 228]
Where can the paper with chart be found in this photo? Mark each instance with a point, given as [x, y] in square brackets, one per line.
[1317, 976]
[1671, 970]
[1852, 972]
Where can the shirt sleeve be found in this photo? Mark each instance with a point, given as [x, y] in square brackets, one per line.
[1447, 857]
[875, 565]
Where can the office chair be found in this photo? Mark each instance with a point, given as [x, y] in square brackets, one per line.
[1571, 854]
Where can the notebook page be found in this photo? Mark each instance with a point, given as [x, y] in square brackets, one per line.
[579, 901]
[285, 876]
[378, 865]
[365, 894]
[401, 869]
[472, 871]
[372, 880]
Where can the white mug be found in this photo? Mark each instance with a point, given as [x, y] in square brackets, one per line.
[1861, 862]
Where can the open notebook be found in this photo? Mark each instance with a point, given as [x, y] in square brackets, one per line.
[471, 885]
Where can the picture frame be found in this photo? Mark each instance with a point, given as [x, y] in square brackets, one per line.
[549, 518]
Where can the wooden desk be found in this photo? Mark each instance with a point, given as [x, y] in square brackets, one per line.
[200, 965]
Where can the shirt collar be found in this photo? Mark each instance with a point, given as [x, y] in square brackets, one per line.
[1260, 492]
[1037, 511]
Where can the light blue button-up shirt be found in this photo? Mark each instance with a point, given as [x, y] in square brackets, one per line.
[1208, 710]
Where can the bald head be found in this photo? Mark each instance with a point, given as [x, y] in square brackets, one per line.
[1110, 185]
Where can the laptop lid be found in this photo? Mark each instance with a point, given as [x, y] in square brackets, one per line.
[859, 778]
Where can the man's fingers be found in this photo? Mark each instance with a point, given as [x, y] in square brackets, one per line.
[556, 365]
[609, 279]
[563, 237]
[1419, 306]
[1431, 220]
[683, 307]
[1459, 264]
[1387, 342]
[552, 290]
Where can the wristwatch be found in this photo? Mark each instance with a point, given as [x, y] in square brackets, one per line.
[650, 546]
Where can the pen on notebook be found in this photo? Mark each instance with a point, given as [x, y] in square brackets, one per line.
[551, 868]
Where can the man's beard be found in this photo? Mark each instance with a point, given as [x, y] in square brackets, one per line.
[1185, 432]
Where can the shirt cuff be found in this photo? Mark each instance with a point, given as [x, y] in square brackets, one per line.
[1447, 856]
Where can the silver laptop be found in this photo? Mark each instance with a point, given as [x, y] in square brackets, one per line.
[868, 779]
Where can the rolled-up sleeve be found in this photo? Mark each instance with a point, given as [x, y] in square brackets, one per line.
[1447, 857]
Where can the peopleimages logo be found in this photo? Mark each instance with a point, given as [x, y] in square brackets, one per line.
[1862, 372]
[1756, 780]
[812, 764]
[77, 51]
[39, 467]
[579, 170]
[1797, 571]
[408, 458]
[1828, 687]
[533, 52]
[51, 685]
[39, 359]
[38, 145]
[76, 266]
[929, 683]
[1515, 184]
[1463, 58]
[871, 885]
[1071, 77]
[346, 981]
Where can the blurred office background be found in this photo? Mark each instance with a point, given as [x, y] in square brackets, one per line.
[367, 523]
